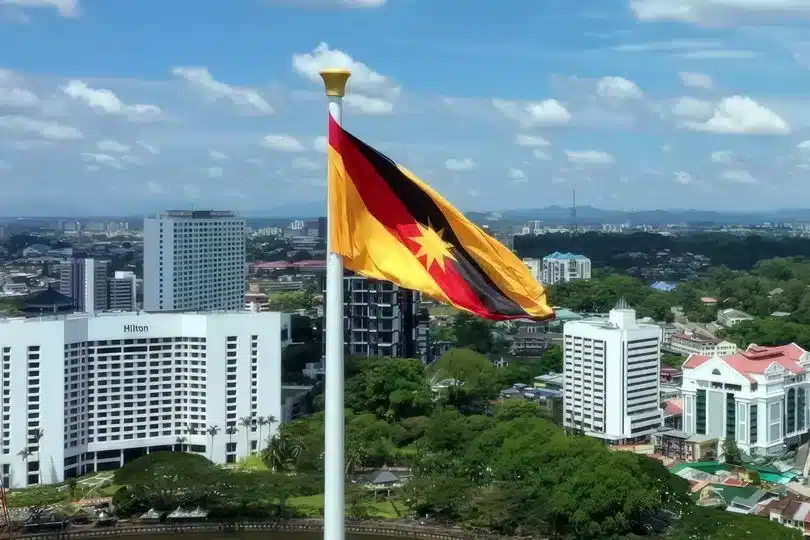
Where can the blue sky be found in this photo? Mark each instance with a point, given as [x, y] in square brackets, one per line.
[131, 106]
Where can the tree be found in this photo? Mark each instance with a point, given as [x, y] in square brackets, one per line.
[473, 332]
[163, 478]
[231, 431]
[283, 450]
[37, 500]
[247, 423]
[212, 432]
[181, 443]
[473, 378]
[391, 388]
[262, 421]
[732, 452]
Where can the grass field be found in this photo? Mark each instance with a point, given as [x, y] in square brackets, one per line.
[312, 506]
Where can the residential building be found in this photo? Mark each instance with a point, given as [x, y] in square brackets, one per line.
[106, 388]
[535, 267]
[758, 396]
[687, 344]
[381, 319]
[612, 376]
[564, 267]
[728, 318]
[194, 260]
[123, 292]
[85, 281]
[529, 340]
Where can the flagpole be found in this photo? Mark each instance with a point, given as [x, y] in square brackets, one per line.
[334, 501]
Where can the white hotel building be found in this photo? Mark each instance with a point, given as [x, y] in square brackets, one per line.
[611, 372]
[758, 396]
[108, 388]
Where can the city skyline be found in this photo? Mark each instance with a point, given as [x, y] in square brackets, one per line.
[636, 104]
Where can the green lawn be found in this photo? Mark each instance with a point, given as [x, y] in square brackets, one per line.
[312, 506]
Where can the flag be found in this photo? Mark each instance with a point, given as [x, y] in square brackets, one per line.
[389, 225]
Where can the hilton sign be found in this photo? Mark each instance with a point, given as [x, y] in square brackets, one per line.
[136, 328]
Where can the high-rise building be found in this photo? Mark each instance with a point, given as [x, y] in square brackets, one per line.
[564, 267]
[85, 281]
[612, 368]
[123, 292]
[104, 389]
[382, 319]
[194, 260]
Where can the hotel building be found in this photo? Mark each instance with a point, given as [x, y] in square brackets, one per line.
[564, 267]
[611, 373]
[758, 396]
[86, 393]
[194, 260]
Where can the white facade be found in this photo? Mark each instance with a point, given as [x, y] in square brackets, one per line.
[612, 369]
[535, 267]
[758, 396]
[194, 260]
[85, 281]
[564, 267]
[687, 344]
[107, 388]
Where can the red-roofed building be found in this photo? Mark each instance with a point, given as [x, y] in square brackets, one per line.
[759, 396]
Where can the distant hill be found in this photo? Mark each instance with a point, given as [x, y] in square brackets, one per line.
[589, 215]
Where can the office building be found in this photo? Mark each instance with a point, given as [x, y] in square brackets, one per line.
[123, 292]
[194, 260]
[382, 319]
[758, 396]
[611, 376]
[564, 267]
[104, 389]
[85, 281]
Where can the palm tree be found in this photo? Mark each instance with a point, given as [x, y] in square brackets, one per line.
[270, 421]
[181, 441]
[231, 431]
[247, 423]
[261, 421]
[283, 451]
[212, 432]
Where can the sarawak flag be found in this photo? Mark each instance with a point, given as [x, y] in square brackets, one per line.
[391, 226]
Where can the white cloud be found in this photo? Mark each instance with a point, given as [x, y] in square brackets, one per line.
[368, 105]
[53, 131]
[320, 144]
[618, 88]
[216, 155]
[363, 79]
[687, 107]
[282, 143]
[540, 154]
[716, 11]
[148, 147]
[246, 100]
[682, 177]
[307, 164]
[589, 157]
[696, 80]
[370, 92]
[465, 164]
[154, 188]
[804, 146]
[517, 174]
[540, 113]
[723, 157]
[105, 101]
[98, 160]
[13, 93]
[740, 115]
[66, 8]
[214, 172]
[739, 176]
[531, 141]
[110, 145]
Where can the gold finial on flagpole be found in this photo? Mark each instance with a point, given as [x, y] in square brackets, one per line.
[335, 81]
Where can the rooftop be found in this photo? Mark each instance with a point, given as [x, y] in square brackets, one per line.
[560, 255]
[756, 359]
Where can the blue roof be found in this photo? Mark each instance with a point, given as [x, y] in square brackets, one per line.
[543, 392]
[563, 255]
[664, 286]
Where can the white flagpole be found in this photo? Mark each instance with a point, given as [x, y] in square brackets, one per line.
[334, 502]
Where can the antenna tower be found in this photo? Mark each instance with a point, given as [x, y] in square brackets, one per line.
[574, 212]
